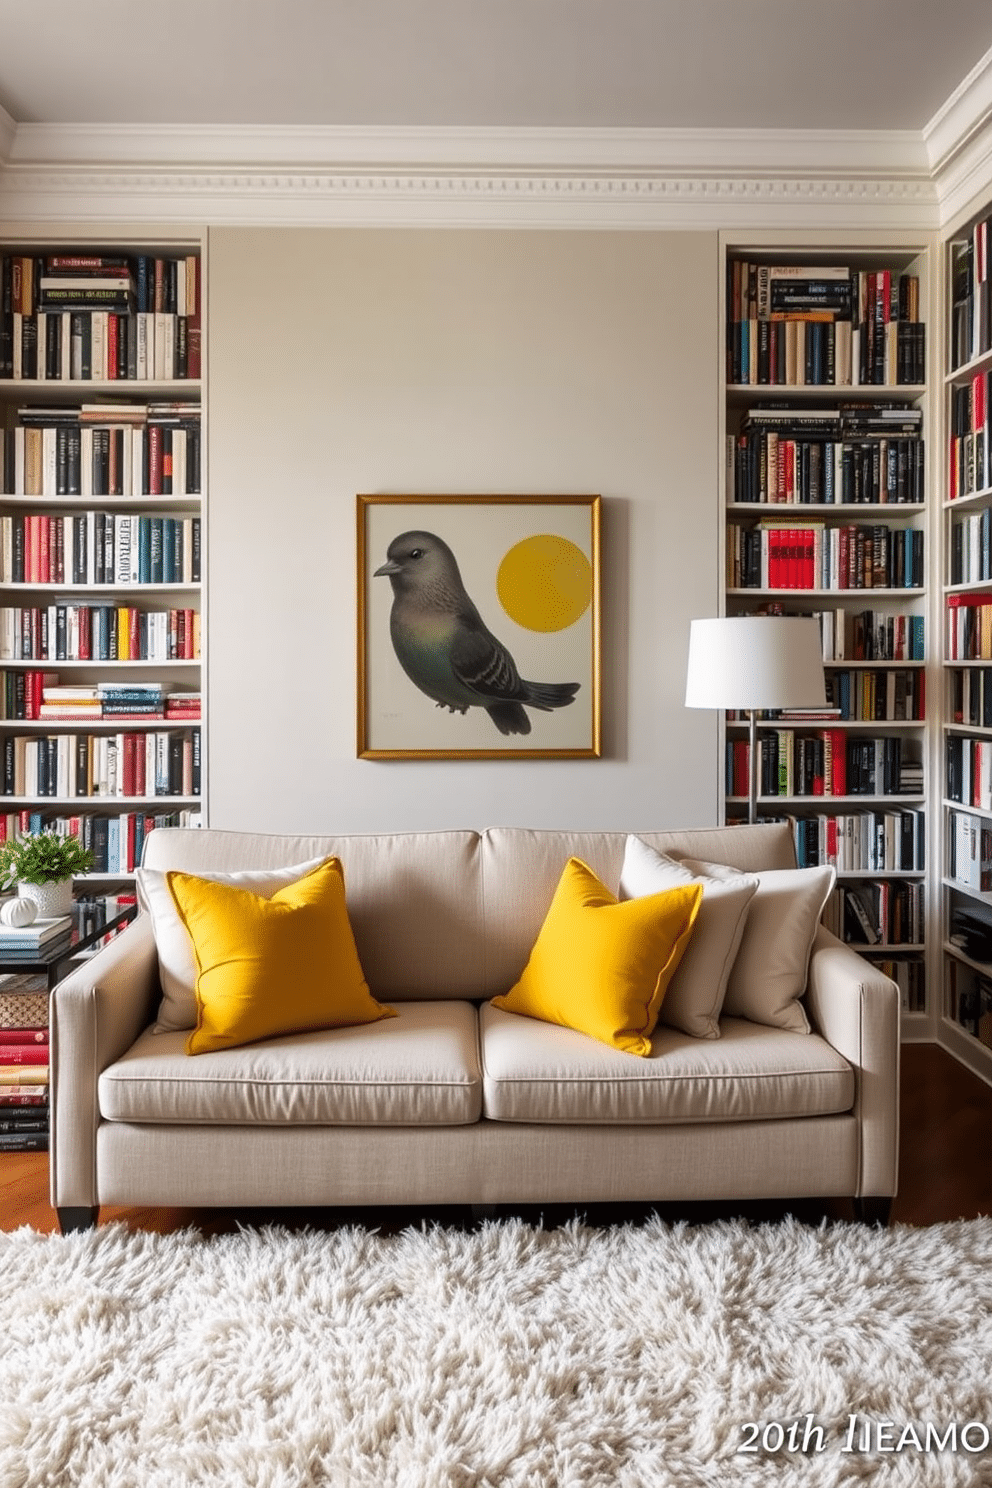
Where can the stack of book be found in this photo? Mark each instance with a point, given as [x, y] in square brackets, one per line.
[99, 548]
[91, 316]
[24, 1038]
[79, 632]
[23, 1070]
[824, 325]
[103, 449]
[133, 762]
[182, 705]
[853, 454]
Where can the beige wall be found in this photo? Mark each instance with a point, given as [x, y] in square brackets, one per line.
[454, 361]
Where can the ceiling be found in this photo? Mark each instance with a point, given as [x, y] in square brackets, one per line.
[663, 64]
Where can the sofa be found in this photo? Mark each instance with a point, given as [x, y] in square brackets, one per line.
[453, 1100]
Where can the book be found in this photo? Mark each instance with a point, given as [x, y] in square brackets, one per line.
[16, 1038]
[38, 933]
[28, 1055]
[23, 1141]
[23, 1075]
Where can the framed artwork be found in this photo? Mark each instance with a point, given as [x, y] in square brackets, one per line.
[478, 627]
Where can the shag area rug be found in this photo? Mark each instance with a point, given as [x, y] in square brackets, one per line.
[504, 1357]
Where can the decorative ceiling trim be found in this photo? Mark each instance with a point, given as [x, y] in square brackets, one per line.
[958, 142]
[455, 177]
[555, 151]
[965, 114]
[8, 132]
[426, 197]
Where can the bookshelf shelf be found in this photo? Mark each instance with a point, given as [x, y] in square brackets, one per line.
[825, 802]
[796, 510]
[839, 450]
[65, 802]
[846, 596]
[101, 500]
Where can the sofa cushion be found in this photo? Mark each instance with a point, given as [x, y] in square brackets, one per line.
[268, 966]
[695, 994]
[420, 1068]
[414, 898]
[537, 1072]
[176, 958]
[521, 867]
[601, 966]
[768, 976]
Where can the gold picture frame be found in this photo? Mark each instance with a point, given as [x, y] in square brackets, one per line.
[478, 627]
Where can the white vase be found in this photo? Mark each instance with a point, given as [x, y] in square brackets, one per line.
[52, 899]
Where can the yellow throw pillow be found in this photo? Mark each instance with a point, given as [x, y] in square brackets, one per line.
[268, 966]
[600, 966]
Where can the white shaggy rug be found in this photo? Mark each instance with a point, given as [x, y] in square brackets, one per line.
[506, 1357]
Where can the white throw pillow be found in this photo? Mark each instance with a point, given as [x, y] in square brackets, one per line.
[176, 959]
[695, 994]
[769, 975]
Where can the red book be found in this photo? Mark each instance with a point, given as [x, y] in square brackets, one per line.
[130, 765]
[111, 348]
[23, 1054]
[154, 459]
[839, 784]
[44, 554]
[977, 402]
[21, 1037]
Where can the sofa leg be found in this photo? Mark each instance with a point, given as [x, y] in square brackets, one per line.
[873, 1210]
[73, 1219]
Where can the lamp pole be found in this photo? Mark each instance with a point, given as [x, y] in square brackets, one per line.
[752, 756]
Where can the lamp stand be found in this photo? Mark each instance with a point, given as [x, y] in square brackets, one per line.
[752, 759]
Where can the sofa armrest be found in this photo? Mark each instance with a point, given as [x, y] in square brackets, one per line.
[856, 1009]
[97, 1012]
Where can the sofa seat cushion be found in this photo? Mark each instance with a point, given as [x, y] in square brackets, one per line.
[420, 1068]
[538, 1072]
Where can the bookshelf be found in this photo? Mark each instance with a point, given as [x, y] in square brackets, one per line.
[965, 1024]
[827, 493]
[101, 540]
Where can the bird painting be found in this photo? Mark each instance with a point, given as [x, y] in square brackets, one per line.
[444, 645]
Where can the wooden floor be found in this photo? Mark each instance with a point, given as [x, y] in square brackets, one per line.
[945, 1172]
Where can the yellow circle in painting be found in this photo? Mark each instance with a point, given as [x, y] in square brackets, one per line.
[545, 582]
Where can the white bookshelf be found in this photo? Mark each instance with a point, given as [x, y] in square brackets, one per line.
[915, 736]
[160, 386]
[965, 1012]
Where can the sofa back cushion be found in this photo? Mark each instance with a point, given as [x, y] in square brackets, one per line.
[413, 898]
[521, 868]
[454, 914]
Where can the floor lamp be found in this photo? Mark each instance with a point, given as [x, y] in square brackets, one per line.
[754, 662]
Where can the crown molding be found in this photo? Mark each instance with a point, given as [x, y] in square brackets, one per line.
[239, 148]
[8, 132]
[455, 177]
[958, 141]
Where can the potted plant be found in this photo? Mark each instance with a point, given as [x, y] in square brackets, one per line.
[42, 865]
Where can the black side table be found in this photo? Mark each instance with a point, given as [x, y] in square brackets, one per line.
[50, 958]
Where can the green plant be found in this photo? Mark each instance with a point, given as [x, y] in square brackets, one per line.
[42, 857]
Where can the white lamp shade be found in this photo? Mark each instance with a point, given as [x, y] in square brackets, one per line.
[755, 662]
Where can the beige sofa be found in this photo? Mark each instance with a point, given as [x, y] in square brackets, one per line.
[454, 1101]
